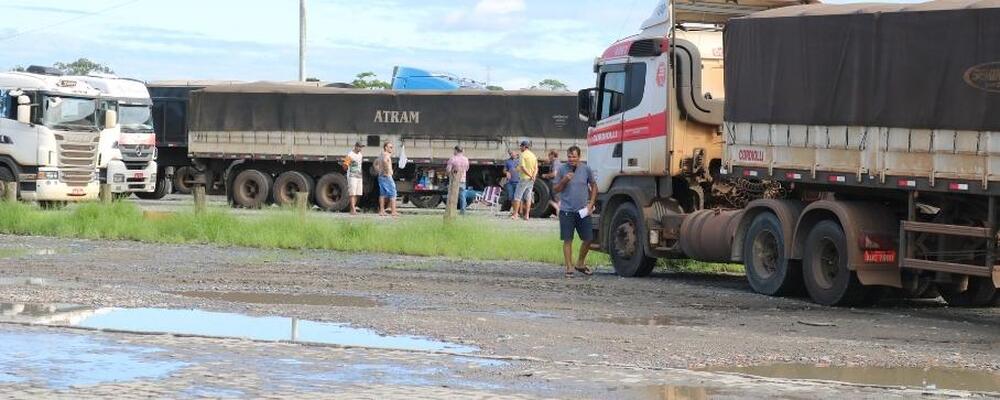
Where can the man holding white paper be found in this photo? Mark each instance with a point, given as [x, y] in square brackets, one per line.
[577, 187]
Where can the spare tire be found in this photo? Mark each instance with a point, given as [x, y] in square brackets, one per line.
[251, 189]
[331, 192]
[289, 183]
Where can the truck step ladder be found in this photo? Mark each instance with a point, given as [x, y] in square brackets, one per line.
[911, 226]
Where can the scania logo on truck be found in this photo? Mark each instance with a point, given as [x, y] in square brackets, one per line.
[397, 117]
[984, 77]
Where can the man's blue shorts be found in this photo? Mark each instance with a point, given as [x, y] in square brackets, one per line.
[386, 187]
[511, 188]
[570, 221]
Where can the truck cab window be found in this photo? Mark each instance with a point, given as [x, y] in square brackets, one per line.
[636, 85]
[4, 104]
[612, 92]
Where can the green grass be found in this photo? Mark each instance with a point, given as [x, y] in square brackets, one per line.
[422, 236]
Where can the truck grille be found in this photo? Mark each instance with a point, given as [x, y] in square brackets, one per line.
[137, 152]
[78, 157]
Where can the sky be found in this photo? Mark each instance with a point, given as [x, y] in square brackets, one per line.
[510, 43]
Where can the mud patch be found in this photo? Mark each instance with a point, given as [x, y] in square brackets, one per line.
[280, 298]
[924, 378]
[652, 320]
[663, 392]
[23, 281]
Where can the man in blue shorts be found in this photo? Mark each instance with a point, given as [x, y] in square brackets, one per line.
[577, 187]
[386, 184]
[510, 169]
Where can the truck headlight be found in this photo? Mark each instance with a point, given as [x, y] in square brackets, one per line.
[119, 178]
[50, 175]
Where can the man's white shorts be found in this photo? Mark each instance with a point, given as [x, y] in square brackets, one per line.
[354, 186]
[525, 190]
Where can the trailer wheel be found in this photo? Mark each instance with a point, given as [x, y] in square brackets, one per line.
[540, 202]
[289, 183]
[827, 277]
[425, 200]
[251, 188]
[184, 179]
[768, 270]
[331, 192]
[163, 186]
[5, 176]
[626, 243]
[978, 293]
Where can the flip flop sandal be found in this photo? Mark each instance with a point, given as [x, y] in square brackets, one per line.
[568, 274]
[584, 270]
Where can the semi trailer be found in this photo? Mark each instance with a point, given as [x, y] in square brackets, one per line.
[270, 140]
[49, 133]
[835, 150]
[127, 150]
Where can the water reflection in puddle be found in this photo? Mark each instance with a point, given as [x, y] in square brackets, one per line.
[279, 298]
[216, 324]
[939, 378]
[662, 392]
[60, 360]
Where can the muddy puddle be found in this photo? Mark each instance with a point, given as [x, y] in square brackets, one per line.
[279, 298]
[924, 378]
[63, 360]
[217, 324]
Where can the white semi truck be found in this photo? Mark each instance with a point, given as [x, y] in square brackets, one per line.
[850, 149]
[49, 133]
[127, 157]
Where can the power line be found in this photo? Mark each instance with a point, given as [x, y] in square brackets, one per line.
[74, 19]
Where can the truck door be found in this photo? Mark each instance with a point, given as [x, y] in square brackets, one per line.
[17, 140]
[605, 140]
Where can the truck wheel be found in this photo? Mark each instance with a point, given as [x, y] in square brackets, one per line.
[5, 176]
[827, 277]
[251, 189]
[979, 293]
[626, 243]
[426, 200]
[288, 183]
[184, 180]
[540, 203]
[163, 186]
[331, 192]
[768, 270]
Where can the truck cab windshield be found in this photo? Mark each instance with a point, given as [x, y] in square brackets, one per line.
[136, 119]
[69, 113]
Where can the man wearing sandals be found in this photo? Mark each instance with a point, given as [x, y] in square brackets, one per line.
[578, 194]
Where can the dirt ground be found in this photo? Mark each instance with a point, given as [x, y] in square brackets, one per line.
[666, 325]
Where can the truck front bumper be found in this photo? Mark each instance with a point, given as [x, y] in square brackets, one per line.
[58, 190]
[124, 180]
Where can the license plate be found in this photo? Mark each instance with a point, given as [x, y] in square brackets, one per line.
[139, 175]
[77, 192]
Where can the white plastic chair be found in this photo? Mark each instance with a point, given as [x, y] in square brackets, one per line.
[489, 198]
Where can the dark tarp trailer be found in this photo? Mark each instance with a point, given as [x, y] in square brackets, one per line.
[932, 65]
[475, 115]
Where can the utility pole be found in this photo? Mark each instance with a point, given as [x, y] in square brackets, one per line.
[302, 40]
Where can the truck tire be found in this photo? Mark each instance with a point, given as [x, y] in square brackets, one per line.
[827, 277]
[163, 186]
[251, 189]
[540, 207]
[288, 183]
[769, 271]
[331, 192]
[184, 180]
[5, 176]
[426, 200]
[626, 243]
[979, 293]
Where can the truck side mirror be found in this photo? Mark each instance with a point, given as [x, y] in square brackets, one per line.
[24, 109]
[110, 119]
[585, 104]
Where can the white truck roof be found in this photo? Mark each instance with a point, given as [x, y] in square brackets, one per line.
[55, 84]
[123, 89]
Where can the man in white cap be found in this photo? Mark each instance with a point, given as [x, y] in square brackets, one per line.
[352, 163]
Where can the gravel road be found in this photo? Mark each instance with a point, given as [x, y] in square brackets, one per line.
[669, 328]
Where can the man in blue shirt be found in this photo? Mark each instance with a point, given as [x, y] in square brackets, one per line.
[577, 187]
[513, 177]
